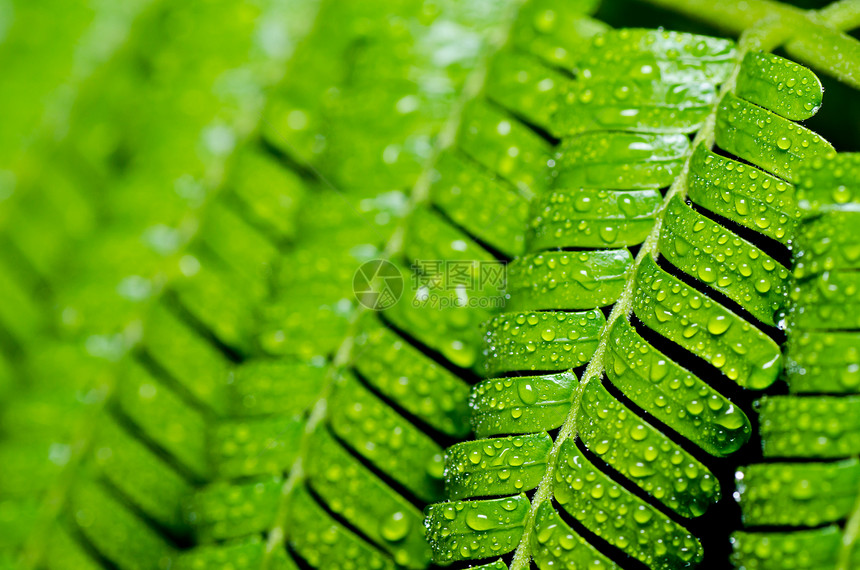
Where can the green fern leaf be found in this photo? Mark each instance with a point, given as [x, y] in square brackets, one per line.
[696, 286]
[816, 422]
[194, 378]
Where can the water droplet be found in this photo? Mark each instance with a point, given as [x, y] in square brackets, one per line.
[608, 233]
[395, 527]
[642, 515]
[527, 393]
[640, 470]
[477, 520]
[718, 324]
[707, 274]
[659, 369]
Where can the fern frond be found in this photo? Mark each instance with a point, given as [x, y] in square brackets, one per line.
[404, 385]
[807, 483]
[630, 463]
[191, 384]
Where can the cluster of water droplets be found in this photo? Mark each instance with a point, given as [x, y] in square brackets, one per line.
[619, 516]
[227, 511]
[674, 395]
[723, 260]
[823, 362]
[497, 466]
[743, 194]
[788, 89]
[417, 384]
[766, 139]
[729, 343]
[606, 195]
[568, 280]
[476, 529]
[811, 437]
[814, 425]
[648, 458]
[797, 494]
[540, 340]
[324, 541]
[521, 404]
[385, 438]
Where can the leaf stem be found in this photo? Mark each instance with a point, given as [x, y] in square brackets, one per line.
[843, 15]
[277, 533]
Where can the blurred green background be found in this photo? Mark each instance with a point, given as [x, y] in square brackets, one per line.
[186, 189]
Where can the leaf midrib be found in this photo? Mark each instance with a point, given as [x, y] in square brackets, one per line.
[420, 194]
